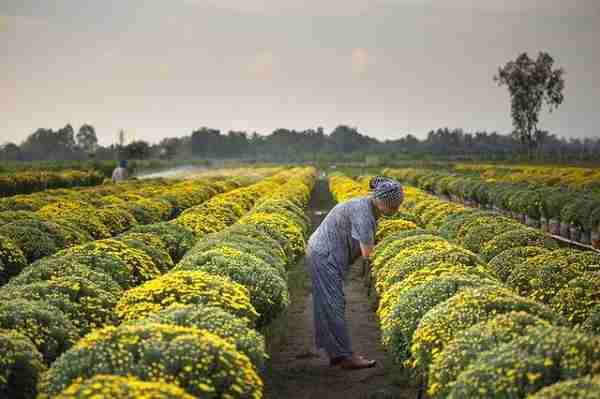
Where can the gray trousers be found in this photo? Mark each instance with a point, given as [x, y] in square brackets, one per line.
[331, 332]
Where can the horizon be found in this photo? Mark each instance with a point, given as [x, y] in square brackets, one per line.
[158, 69]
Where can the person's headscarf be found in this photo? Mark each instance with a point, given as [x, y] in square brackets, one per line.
[387, 190]
[123, 163]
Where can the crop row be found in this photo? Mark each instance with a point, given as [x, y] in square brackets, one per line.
[180, 301]
[569, 213]
[448, 314]
[574, 178]
[77, 217]
[31, 181]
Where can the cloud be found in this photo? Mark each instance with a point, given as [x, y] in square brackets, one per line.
[360, 60]
[263, 65]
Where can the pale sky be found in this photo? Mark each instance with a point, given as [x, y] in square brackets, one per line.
[159, 68]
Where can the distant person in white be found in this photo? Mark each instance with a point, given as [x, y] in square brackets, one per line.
[120, 173]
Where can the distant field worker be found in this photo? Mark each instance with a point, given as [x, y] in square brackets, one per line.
[347, 232]
[120, 173]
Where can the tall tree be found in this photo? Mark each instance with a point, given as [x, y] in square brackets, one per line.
[531, 84]
[87, 139]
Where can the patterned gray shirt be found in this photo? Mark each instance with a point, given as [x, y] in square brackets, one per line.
[339, 234]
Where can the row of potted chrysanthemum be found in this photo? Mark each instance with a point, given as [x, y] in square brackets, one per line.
[74, 219]
[24, 182]
[441, 306]
[76, 290]
[448, 315]
[566, 212]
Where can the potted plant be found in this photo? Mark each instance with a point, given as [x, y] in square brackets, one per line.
[595, 223]
[532, 209]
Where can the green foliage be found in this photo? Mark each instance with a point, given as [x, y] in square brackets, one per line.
[113, 386]
[34, 242]
[196, 360]
[521, 237]
[177, 239]
[85, 304]
[506, 261]
[469, 344]
[56, 267]
[267, 288]
[46, 326]
[21, 366]
[531, 84]
[411, 306]
[12, 259]
[528, 363]
[587, 387]
[219, 322]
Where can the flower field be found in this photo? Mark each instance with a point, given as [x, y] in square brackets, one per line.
[562, 201]
[25, 182]
[149, 289]
[479, 305]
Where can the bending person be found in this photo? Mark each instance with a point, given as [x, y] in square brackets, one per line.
[347, 232]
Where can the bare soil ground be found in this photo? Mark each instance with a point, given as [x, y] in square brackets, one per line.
[298, 370]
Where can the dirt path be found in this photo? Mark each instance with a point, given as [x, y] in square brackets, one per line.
[297, 370]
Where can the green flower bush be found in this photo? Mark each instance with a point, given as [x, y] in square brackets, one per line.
[390, 297]
[265, 248]
[479, 234]
[592, 323]
[12, 259]
[56, 268]
[540, 277]
[160, 257]
[470, 343]
[109, 264]
[441, 324]
[46, 326]
[517, 238]
[63, 235]
[186, 288]
[391, 226]
[295, 237]
[21, 366]
[587, 387]
[528, 363]
[392, 249]
[141, 266]
[34, 243]
[405, 263]
[405, 312]
[116, 218]
[150, 210]
[266, 287]
[117, 387]
[486, 218]
[88, 223]
[219, 322]
[198, 361]
[576, 299]
[82, 302]
[176, 239]
[18, 216]
[393, 237]
[452, 225]
[506, 261]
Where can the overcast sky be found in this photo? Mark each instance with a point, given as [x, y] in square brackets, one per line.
[160, 68]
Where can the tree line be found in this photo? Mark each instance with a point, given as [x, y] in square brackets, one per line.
[282, 145]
